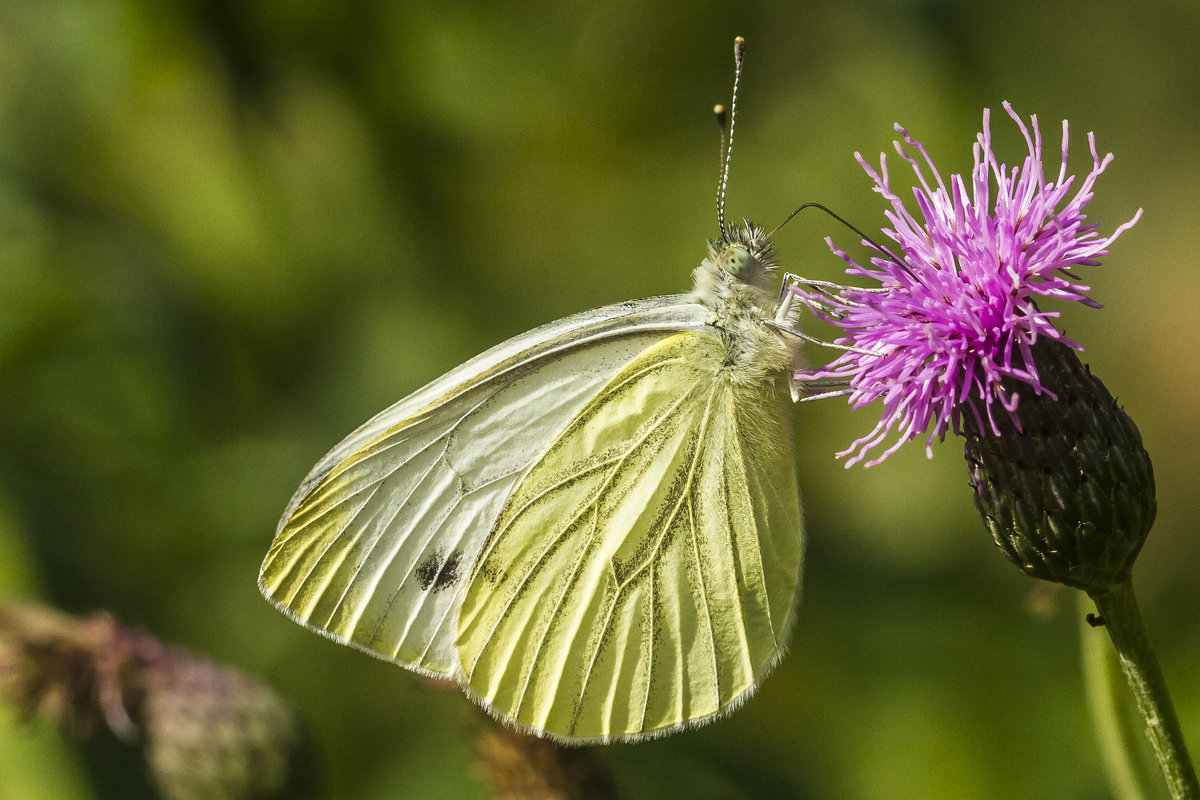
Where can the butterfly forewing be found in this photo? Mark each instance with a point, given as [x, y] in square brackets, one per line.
[377, 544]
[643, 573]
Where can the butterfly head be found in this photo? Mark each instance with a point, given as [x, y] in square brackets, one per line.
[745, 254]
[743, 258]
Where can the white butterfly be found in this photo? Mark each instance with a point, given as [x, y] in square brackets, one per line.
[594, 527]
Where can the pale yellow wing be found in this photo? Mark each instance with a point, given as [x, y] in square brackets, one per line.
[375, 547]
[643, 575]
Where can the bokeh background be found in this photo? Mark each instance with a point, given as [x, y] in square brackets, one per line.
[231, 232]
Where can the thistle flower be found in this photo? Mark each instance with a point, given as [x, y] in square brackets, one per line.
[955, 318]
[953, 338]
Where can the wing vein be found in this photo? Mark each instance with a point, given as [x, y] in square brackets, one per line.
[304, 581]
[384, 529]
[616, 462]
[617, 459]
[667, 523]
[649, 638]
[734, 553]
[537, 652]
[702, 584]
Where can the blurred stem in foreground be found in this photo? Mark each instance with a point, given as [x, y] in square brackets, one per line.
[209, 731]
[523, 767]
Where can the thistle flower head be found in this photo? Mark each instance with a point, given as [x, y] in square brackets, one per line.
[955, 316]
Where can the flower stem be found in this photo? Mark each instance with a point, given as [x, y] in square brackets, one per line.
[1124, 752]
[1118, 609]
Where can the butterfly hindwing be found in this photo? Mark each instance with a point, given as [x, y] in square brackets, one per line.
[643, 573]
[376, 546]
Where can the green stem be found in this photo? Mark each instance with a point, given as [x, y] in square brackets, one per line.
[1124, 751]
[1118, 609]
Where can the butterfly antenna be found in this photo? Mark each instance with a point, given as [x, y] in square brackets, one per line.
[862, 236]
[722, 115]
[739, 52]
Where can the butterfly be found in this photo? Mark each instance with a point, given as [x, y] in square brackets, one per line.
[594, 527]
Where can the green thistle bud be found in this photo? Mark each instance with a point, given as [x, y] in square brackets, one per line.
[1068, 497]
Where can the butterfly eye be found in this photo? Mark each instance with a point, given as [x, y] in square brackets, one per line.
[735, 260]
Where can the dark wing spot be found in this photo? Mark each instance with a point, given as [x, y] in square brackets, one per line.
[436, 574]
[449, 573]
[428, 570]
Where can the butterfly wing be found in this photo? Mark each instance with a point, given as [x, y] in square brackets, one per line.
[643, 574]
[376, 545]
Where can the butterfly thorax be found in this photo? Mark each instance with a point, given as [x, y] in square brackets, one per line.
[733, 283]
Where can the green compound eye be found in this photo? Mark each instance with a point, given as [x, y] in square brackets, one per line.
[735, 259]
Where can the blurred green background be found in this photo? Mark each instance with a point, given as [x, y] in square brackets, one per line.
[231, 232]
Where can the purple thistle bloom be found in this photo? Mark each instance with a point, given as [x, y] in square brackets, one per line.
[957, 310]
